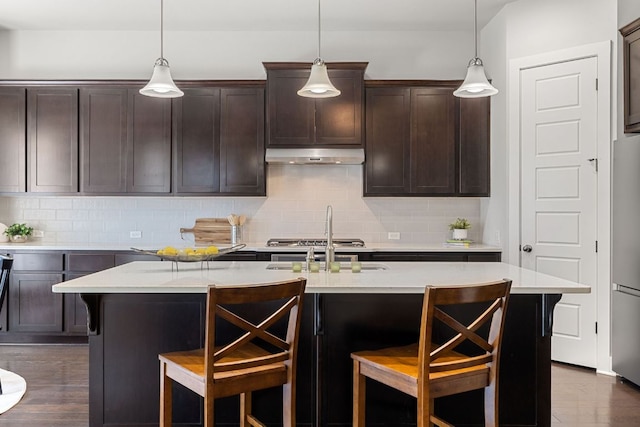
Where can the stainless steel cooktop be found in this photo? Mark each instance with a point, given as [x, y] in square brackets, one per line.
[354, 243]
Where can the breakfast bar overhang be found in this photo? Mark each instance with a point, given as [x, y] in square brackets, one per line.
[140, 309]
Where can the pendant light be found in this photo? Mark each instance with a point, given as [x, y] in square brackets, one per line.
[475, 84]
[319, 85]
[161, 84]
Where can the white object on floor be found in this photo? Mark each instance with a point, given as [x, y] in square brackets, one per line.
[13, 388]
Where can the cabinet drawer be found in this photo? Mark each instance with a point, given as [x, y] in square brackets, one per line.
[90, 262]
[38, 262]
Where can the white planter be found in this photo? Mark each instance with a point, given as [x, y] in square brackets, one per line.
[459, 233]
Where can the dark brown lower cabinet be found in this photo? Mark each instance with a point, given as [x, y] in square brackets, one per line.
[33, 313]
[32, 305]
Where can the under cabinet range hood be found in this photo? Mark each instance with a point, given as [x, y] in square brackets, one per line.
[319, 156]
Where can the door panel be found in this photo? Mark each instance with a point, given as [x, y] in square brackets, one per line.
[53, 139]
[13, 140]
[559, 194]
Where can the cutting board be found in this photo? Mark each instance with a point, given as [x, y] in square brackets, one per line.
[210, 230]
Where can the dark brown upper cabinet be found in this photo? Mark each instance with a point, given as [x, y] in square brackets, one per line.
[388, 130]
[631, 71]
[219, 141]
[242, 141]
[149, 144]
[103, 140]
[125, 141]
[433, 141]
[473, 147]
[295, 121]
[423, 141]
[13, 140]
[52, 135]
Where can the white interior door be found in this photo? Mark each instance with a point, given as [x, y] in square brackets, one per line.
[559, 194]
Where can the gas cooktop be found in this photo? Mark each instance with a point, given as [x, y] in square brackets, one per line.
[354, 243]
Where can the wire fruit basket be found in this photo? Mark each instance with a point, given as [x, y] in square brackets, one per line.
[192, 256]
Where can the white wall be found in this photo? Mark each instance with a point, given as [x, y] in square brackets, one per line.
[228, 55]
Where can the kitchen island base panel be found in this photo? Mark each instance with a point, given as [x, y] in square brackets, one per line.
[134, 328]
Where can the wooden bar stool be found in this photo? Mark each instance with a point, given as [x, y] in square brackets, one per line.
[427, 370]
[259, 358]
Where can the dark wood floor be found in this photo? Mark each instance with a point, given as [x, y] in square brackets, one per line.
[57, 385]
[57, 391]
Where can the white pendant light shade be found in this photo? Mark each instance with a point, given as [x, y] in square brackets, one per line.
[161, 84]
[319, 85]
[475, 84]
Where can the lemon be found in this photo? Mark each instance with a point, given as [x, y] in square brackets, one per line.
[170, 250]
[211, 250]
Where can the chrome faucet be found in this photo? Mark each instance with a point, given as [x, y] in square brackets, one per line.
[330, 251]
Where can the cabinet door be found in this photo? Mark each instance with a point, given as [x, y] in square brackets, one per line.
[433, 141]
[103, 140]
[196, 138]
[387, 136]
[34, 307]
[473, 150]
[339, 120]
[242, 141]
[631, 70]
[149, 144]
[53, 139]
[13, 140]
[290, 120]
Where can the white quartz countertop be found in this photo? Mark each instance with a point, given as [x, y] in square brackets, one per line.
[253, 246]
[400, 277]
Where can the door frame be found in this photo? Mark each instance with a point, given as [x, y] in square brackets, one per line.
[602, 52]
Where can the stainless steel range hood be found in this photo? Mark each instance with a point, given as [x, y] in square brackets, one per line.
[318, 156]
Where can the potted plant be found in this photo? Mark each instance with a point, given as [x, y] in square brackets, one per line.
[18, 233]
[459, 228]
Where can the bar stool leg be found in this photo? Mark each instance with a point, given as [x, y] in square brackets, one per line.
[359, 393]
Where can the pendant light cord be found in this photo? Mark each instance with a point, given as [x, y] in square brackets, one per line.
[475, 25]
[319, 29]
[161, 29]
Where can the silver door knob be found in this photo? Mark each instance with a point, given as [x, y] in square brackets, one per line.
[527, 248]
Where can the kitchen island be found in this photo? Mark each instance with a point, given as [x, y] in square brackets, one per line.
[140, 309]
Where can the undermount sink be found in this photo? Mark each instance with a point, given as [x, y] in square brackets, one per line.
[343, 266]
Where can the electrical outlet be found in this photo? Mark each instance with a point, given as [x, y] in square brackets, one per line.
[393, 235]
[496, 237]
[38, 233]
[135, 234]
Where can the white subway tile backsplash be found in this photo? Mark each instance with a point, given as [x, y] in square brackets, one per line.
[295, 207]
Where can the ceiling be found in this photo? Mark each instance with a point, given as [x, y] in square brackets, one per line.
[244, 15]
